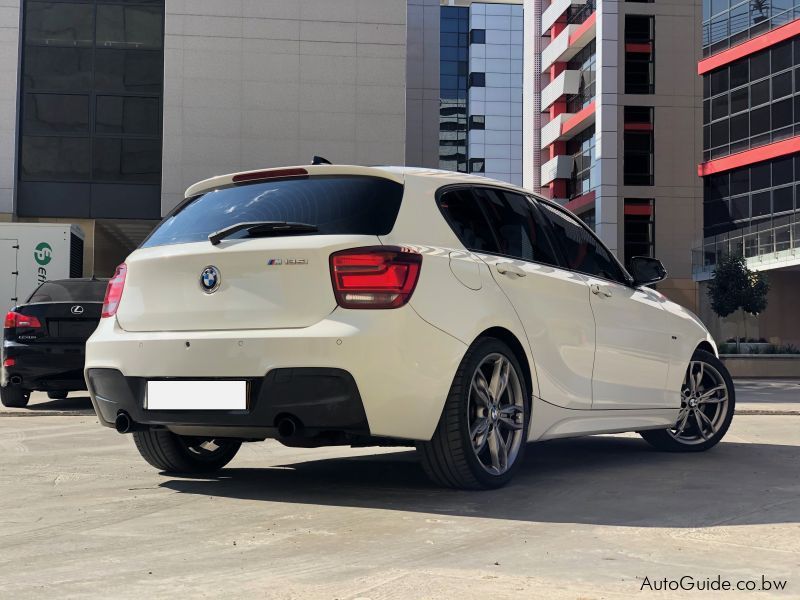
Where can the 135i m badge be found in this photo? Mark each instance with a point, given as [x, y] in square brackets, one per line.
[452, 312]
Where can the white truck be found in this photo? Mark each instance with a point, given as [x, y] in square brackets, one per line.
[31, 253]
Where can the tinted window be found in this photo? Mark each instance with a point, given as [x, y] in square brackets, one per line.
[518, 231]
[56, 113]
[460, 208]
[70, 291]
[336, 205]
[580, 249]
[60, 23]
[53, 158]
[129, 115]
[127, 160]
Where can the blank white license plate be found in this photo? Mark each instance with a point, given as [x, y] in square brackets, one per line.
[196, 395]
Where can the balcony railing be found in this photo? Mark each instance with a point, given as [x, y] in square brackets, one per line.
[768, 248]
[723, 32]
[581, 100]
[578, 14]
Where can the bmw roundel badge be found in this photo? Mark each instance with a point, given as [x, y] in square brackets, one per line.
[210, 279]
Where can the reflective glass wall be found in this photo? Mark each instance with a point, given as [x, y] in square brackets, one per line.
[91, 109]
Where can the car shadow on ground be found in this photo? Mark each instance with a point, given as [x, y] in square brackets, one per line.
[600, 480]
[76, 403]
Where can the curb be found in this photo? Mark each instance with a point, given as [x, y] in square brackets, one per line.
[767, 412]
[49, 413]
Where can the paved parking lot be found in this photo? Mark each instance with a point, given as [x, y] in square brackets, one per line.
[82, 515]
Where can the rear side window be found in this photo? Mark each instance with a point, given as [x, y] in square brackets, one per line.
[497, 222]
[69, 291]
[468, 221]
[518, 228]
[582, 252]
[335, 205]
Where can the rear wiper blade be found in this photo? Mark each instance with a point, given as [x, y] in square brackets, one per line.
[262, 228]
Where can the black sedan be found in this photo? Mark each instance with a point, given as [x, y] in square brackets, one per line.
[44, 340]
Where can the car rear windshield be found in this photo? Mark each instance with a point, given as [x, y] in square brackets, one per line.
[334, 205]
[69, 291]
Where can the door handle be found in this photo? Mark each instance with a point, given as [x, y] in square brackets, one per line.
[510, 269]
[599, 290]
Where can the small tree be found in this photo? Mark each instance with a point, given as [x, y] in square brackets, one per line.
[735, 287]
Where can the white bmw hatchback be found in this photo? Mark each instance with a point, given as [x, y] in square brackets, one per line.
[332, 305]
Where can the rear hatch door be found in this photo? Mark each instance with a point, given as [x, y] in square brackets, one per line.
[266, 280]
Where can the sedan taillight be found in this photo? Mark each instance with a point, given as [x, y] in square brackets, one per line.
[17, 320]
[375, 276]
[114, 292]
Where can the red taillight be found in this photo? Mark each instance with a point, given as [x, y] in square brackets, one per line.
[9, 362]
[114, 292]
[15, 319]
[375, 276]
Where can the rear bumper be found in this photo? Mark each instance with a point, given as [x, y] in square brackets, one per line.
[401, 368]
[44, 366]
[320, 400]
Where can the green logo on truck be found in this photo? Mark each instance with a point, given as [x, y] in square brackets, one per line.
[43, 253]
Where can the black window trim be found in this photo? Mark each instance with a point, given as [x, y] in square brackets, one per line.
[488, 186]
[628, 279]
[554, 244]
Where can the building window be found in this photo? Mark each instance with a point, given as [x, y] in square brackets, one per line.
[477, 122]
[454, 68]
[585, 62]
[638, 163]
[477, 36]
[477, 79]
[477, 165]
[639, 54]
[91, 92]
[639, 233]
[752, 196]
[752, 102]
[589, 218]
[582, 149]
[578, 13]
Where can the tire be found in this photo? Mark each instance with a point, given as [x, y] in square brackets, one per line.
[58, 395]
[450, 458]
[178, 454]
[14, 397]
[717, 409]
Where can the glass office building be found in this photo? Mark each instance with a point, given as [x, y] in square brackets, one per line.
[481, 56]
[751, 146]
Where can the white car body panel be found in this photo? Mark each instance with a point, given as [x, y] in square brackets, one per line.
[403, 360]
[634, 346]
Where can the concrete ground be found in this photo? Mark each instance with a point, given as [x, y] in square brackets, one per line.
[82, 515]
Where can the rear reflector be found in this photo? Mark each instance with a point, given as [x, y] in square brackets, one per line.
[375, 276]
[114, 292]
[15, 319]
[270, 174]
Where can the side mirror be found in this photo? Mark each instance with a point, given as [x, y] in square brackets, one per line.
[646, 271]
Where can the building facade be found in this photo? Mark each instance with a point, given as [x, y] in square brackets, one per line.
[751, 152]
[120, 105]
[611, 124]
[481, 88]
